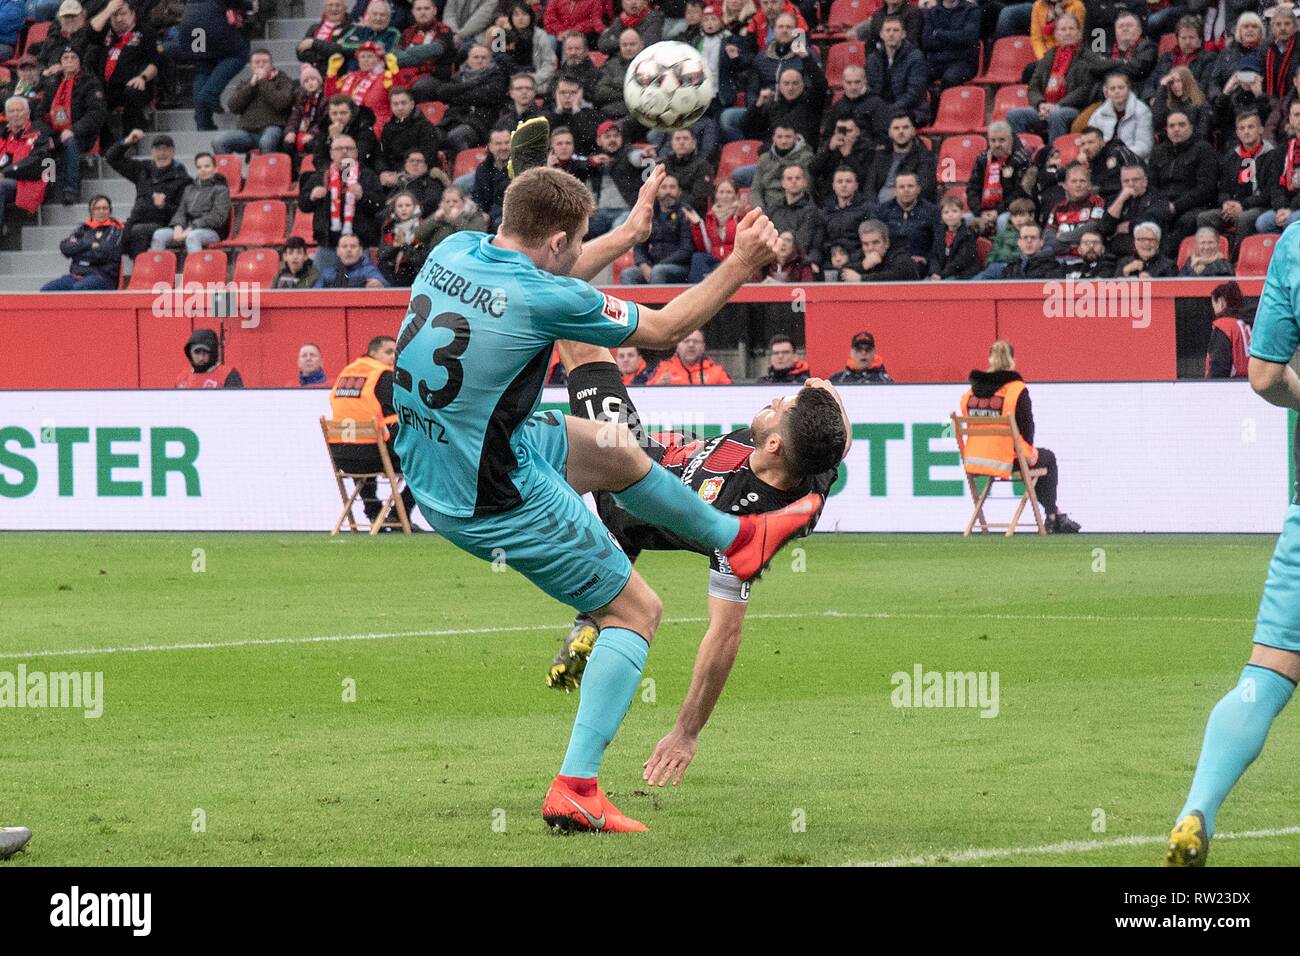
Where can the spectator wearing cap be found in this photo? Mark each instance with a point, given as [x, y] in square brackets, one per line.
[614, 177]
[865, 366]
[218, 60]
[13, 13]
[784, 367]
[311, 367]
[690, 365]
[367, 85]
[206, 368]
[302, 126]
[297, 271]
[25, 145]
[203, 216]
[879, 260]
[344, 198]
[323, 37]
[75, 113]
[123, 55]
[263, 102]
[94, 251]
[27, 83]
[72, 31]
[159, 181]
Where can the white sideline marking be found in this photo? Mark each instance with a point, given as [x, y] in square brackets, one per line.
[469, 631]
[1069, 846]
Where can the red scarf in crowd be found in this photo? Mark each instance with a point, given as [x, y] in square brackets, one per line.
[357, 83]
[114, 54]
[1184, 59]
[14, 148]
[1277, 68]
[60, 115]
[325, 30]
[308, 119]
[632, 22]
[991, 195]
[1056, 88]
[1288, 179]
[343, 205]
[1246, 174]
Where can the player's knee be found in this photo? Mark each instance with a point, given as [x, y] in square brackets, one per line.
[654, 612]
[624, 455]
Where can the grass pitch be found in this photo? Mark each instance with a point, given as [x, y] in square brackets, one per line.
[1109, 651]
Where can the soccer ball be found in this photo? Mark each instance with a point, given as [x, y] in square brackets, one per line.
[668, 86]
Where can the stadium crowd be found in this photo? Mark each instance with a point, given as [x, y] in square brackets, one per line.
[938, 140]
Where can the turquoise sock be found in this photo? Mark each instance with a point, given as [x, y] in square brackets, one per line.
[1234, 736]
[609, 681]
[660, 498]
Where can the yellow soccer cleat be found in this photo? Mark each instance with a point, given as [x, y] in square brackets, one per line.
[1189, 844]
[566, 670]
[530, 145]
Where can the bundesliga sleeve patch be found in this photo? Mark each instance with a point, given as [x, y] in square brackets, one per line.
[615, 309]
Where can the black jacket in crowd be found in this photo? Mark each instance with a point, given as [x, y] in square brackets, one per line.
[1151, 206]
[1158, 266]
[960, 260]
[362, 130]
[89, 109]
[1250, 194]
[917, 160]
[1014, 168]
[365, 219]
[149, 179]
[95, 249]
[1041, 266]
[1186, 172]
[402, 136]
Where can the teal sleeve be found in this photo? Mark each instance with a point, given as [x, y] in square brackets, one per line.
[565, 308]
[1276, 334]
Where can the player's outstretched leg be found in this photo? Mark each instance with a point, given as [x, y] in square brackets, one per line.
[612, 676]
[566, 670]
[13, 839]
[1234, 737]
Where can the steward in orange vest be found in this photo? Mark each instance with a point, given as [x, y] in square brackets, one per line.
[673, 371]
[362, 392]
[208, 370]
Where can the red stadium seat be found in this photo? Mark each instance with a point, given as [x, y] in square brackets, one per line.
[1007, 62]
[263, 224]
[1009, 98]
[302, 227]
[841, 55]
[207, 266]
[849, 13]
[270, 176]
[597, 58]
[36, 33]
[982, 249]
[743, 152]
[308, 164]
[257, 267]
[231, 165]
[1255, 252]
[1067, 146]
[957, 157]
[961, 110]
[433, 111]
[626, 261]
[1168, 43]
[467, 161]
[151, 268]
[1187, 245]
[1031, 142]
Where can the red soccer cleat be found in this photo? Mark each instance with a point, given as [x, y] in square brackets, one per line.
[566, 809]
[763, 535]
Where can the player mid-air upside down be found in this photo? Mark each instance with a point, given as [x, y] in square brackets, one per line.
[793, 447]
[495, 478]
[1239, 723]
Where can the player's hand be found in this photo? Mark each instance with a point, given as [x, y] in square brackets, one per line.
[673, 754]
[756, 240]
[641, 219]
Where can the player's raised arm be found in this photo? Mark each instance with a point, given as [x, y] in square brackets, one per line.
[756, 240]
[713, 663]
[602, 251]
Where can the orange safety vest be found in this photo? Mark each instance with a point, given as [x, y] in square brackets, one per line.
[673, 371]
[353, 395]
[994, 454]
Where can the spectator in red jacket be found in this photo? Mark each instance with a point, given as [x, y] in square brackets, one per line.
[690, 366]
[589, 17]
[784, 365]
[714, 233]
[367, 85]
[764, 21]
[24, 147]
[790, 264]
[1229, 351]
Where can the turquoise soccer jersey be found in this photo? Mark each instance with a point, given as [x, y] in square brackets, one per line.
[1276, 334]
[472, 356]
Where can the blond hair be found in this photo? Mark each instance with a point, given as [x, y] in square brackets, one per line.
[1002, 357]
[543, 201]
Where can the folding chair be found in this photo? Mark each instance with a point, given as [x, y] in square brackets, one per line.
[999, 426]
[353, 431]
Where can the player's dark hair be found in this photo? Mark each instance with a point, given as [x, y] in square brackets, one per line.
[814, 433]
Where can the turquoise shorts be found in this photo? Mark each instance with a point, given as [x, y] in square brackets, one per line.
[1278, 624]
[553, 539]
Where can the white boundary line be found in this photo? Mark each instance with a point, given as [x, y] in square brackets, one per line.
[559, 627]
[975, 855]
